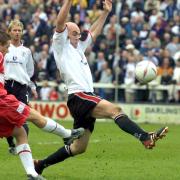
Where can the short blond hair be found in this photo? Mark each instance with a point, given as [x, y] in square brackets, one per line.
[15, 22]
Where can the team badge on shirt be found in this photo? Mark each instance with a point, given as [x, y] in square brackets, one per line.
[14, 58]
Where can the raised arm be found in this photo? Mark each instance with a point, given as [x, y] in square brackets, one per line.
[97, 26]
[62, 16]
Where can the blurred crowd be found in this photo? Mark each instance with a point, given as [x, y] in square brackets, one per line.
[135, 30]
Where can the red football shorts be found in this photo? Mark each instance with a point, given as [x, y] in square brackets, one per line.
[12, 113]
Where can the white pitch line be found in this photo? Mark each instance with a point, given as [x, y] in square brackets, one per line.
[48, 143]
[57, 142]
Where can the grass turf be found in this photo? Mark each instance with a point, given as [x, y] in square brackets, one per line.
[111, 155]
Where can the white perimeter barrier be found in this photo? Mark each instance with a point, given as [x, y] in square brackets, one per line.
[153, 86]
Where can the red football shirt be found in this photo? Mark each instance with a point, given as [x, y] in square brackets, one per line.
[2, 90]
[1, 63]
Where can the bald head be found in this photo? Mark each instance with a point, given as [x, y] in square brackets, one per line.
[72, 27]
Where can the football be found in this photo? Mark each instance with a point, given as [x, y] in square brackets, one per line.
[145, 71]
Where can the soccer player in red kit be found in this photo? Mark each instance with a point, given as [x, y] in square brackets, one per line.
[14, 113]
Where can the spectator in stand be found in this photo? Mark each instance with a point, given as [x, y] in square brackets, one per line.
[8, 12]
[165, 73]
[159, 27]
[163, 5]
[122, 38]
[166, 39]
[16, 5]
[151, 57]
[125, 11]
[176, 79]
[144, 32]
[91, 57]
[76, 18]
[29, 36]
[106, 77]
[110, 42]
[153, 41]
[150, 5]
[132, 50]
[126, 24]
[39, 25]
[82, 10]
[87, 23]
[166, 54]
[25, 15]
[153, 17]
[173, 46]
[119, 67]
[51, 68]
[3, 6]
[45, 91]
[94, 13]
[129, 79]
[175, 29]
[138, 15]
[170, 10]
[100, 61]
[136, 39]
[112, 26]
[42, 66]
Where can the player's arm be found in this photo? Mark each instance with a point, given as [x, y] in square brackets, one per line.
[30, 64]
[30, 72]
[97, 26]
[62, 16]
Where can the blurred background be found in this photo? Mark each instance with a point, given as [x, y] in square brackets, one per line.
[135, 30]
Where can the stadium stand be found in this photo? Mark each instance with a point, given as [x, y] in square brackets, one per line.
[135, 30]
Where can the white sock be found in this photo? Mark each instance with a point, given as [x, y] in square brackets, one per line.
[25, 155]
[55, 128]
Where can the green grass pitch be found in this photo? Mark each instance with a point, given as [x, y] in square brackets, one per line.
[111, 155]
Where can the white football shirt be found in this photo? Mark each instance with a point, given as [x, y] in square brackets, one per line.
[72, 63]
[19, 65]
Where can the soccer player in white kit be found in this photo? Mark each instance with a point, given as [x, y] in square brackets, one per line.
[84, 105]
[19, 68]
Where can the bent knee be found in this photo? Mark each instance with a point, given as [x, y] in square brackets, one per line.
[78, 149]
[116, 111]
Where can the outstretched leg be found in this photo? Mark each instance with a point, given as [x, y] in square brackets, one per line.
[49, 125]
[106, 109]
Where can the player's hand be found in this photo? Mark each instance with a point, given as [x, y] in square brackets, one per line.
[34, 93]
[107, 5]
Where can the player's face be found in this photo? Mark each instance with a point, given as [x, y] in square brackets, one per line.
[4, 48]
[16, 32]
[74, 37]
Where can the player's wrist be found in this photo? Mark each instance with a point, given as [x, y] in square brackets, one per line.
[105, 12]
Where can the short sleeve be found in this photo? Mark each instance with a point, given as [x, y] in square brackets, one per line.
[59, 39]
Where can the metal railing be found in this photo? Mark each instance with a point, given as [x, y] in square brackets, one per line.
[151, 86]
